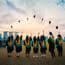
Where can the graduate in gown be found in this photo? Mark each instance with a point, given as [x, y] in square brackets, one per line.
[51, 42]
[18, 45]
[30, 40]
[10, 46]
[59, 45]
[38, 39]
[27, 44]
[35, 45]
[43, 46]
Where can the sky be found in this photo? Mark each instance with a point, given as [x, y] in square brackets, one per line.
[11, 11]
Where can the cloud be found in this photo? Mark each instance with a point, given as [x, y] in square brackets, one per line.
[11, 5]
[6, 19]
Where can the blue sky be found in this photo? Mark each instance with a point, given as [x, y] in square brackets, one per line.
[13, 10]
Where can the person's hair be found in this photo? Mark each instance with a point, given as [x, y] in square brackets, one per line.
[9, 38]
[27, 38]
[42, 38]
[21, 37]
[59, 36]
[50, 33]
[30, 38]
[34, 38]
[38, 38]
[17, 37]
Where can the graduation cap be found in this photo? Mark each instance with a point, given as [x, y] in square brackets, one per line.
[56, 27]
[50, 33]
[59, 36]
[19, 21]
[27, 18]
[11, 26]
[42, 19]
[34, 15]
[49, 22]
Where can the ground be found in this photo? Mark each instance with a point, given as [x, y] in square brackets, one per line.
[23, 60]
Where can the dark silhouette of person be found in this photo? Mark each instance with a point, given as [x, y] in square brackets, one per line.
[59, 45]
[51, 45]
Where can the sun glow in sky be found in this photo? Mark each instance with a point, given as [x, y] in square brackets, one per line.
[13, 10]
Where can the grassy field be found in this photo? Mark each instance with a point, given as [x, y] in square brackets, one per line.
[23, 60]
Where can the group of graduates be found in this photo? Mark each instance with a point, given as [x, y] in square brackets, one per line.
[36, 43]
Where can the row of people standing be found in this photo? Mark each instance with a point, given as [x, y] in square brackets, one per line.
[35, 42]
[58, 43]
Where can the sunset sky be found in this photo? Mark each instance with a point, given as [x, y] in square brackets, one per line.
[13, 10]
